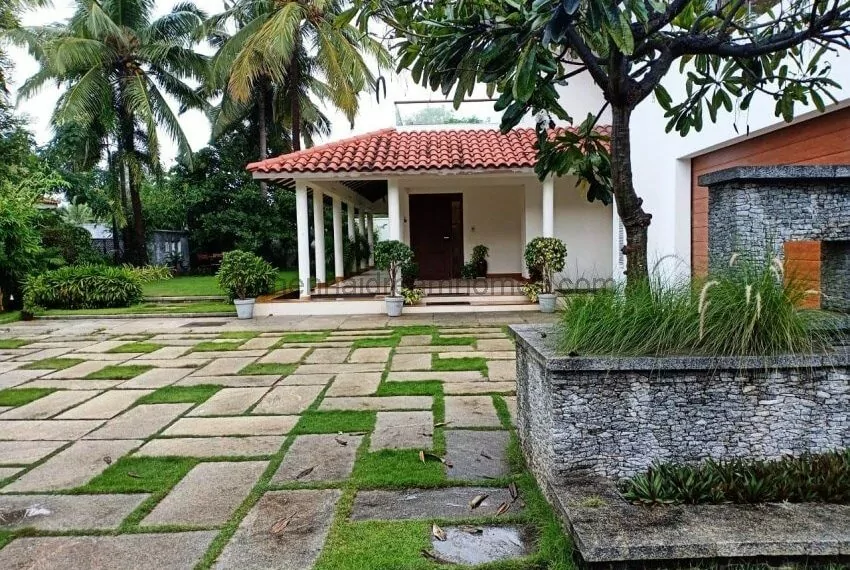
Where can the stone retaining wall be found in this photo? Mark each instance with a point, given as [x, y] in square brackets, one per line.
[616, 416]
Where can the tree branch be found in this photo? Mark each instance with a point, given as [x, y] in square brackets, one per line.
[587, 56]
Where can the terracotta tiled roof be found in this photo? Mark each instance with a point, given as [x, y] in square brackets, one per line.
[390, 150]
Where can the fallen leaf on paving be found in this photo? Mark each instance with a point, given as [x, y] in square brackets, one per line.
[441, 424]
[341, 441]
[133, 475]
[107, 460]
[503, 508]
[485, 456]
[305, 472]
[476, 501]
[280, 526]
[472, 529]
[513, 491]
[438, 533]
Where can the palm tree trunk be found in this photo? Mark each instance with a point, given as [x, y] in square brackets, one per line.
[630, 207]
[263, 127]
[138, 246]
[294, 80]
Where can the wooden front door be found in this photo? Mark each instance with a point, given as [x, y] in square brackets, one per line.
[436, 234]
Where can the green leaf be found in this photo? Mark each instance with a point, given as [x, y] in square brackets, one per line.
[621, 32]
[526, 75]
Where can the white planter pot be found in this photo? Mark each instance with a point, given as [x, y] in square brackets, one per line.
[244, 308]
[547, 302]
[394, 306]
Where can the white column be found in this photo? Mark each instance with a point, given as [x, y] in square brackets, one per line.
[370, 235]
[394, 207]
[349, 208]
[319, 237]
[303, 231]
[339, 266]
[549, 207]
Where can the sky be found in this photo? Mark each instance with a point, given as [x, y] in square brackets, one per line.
[372, 115]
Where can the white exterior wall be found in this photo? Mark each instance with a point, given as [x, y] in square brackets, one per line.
[586, 228]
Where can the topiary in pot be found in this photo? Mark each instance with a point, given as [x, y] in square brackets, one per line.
[409, 274]
[479, 260]
[392, 256]
[548, 256]
[243, 277]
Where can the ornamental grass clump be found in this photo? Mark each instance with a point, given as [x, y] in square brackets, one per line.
[746, 309]
[82, 287]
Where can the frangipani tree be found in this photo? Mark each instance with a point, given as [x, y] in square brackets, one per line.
[730, 50]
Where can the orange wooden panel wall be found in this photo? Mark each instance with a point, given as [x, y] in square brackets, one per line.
[822, 140]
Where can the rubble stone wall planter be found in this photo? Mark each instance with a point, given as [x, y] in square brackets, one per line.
[616, 416]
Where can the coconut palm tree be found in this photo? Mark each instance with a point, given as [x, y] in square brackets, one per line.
[10, 10]
[306, 47]
[117, 65]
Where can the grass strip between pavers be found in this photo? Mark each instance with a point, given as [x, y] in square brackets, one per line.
[268, 368]
[13, 343]
[210, 346]
[14, 397]
[53, 364]
[136, 347]
[119, 372]
[180, 394]
[458, 364]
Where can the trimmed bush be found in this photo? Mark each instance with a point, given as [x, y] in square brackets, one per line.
[392, 256]
[807, 479]
[243, 275]
[82, 287]
[151, 273]
[546, 256]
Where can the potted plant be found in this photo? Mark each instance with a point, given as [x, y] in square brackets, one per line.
[392, 256]
[479, 260]
[546, 256]
[243, 277]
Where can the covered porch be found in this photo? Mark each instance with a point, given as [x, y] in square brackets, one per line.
[442, 192]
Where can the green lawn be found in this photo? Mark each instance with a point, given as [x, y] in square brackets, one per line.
[149, 309]
[10, 317]
[205, 285]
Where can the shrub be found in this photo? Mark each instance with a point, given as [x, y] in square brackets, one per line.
[412, 296]
[409, 274]
[546, 256]
[468, 271]
[746, 309]
[532, 291]
[480, 253]
[807, 479]
[82, 287]
[150, 273]
[243, 275]
[67, 241]
[392, 255]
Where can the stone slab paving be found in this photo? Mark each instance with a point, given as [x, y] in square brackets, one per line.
[207, 495]
[378, 355]
[374, 404]
[471, 411]
[338, 368]
[288, 399]
[501, 370]
[403, 430]
[75, 384]
[166, 353]
[415, 340]
[174, 551]
[221, 366]
[416, 504]
[475, 455]
[416, 349]
[15, 377]
[80, 370]
[510, 401]
[258, 380]
[479, 388]
[284, 356]
[72, 467]
[255, 547]
[230, 402]
[491, 544]
[49, 405]
[259, 343]
[327, 356]
[105, 406]
[36, 430]
[306, 379]
[254, 446]
[494, 355]
[140, 422]
[156, 378]
[355, 384]
[492, 345]
[320, 457]
[413, 361]
[68, 512]
[234, 425]
[446, 377]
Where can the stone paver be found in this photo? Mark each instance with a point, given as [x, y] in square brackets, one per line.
[480, 388]
[490, 544]
[327, 356]
[74, 384]
[501, 370]
[403, 430]
[80, 370]
[415, 361]
[259, 343]
[13, 377]
[140, 422]
[495, 355]
[254, 446]
[318, 458]
[224, 366]
[7, 472]
[284, 356]
[415, 340]
[476, 455]
[511, 403]
[68, 512]
[157, 378]
[338, 368]
[72, 467]
[296, 547]
[493, 345]
[471, 411]
[49, 405]
[248, 381]
[382, 403]
[208, 494]
[416, 504]
[379, 355]
[426, 349]
[174, 551]
[35, 430]
[234, 425]
[166, 353]
[355, 384]
[228, 354]
[459, 376]
[229, 402]
[307, 379]
[107, 405]
[25, 452]
[288, 400]
[104, 346]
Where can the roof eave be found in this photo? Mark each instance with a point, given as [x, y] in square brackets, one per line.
[384, 174]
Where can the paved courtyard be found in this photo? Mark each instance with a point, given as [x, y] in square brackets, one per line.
[304, 443]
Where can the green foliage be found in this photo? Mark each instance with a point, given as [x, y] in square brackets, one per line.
[82, 287]
[136, 348]
[53, 364]
[270, 368]
[458, 364]
[532, 290]
[548, 256]
[21, 396]
[119, 372]
[392, 255]
[65, 242]
[6, 343]
[180, 394]
[746, 309]
[243, 275]
[20, 242]
[412, 296]
[349, 421]
[150, 273]
[468, 271]
[409, 274]
[807, 479]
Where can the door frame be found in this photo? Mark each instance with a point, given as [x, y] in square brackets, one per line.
[456, 244]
